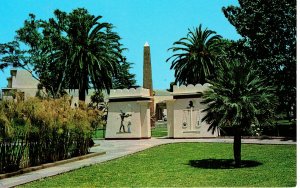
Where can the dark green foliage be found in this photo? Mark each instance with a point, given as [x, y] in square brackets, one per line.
[171, 86]
[11, 55]
[277, 129]
[238, 97]
[12, 150]
[42, 40]
[97, 98]
[75, 51]
[268, 28]
[123, 79]
[93, 49]
[195, 56]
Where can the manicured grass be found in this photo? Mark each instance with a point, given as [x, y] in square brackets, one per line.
[98, 134]
[159, 132]
[169, 166]
[155, 132]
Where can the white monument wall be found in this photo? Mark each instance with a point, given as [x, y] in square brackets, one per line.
[133, 106]
[185, 113]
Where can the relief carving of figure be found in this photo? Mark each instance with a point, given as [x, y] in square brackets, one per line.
[123, 115]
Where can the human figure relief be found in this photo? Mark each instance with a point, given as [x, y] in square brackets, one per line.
[123, 115]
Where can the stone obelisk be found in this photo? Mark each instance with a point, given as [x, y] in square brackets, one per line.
[147, 79]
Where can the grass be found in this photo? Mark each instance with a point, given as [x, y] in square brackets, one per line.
[159, 132]
[98, 134]
[155, 132]
[170, 166]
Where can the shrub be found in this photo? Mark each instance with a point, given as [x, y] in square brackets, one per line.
[41, 131]
[12, 137]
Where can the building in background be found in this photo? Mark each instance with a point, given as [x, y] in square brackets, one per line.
[21, 82]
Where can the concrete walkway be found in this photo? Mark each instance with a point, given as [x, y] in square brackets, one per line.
[118, 148]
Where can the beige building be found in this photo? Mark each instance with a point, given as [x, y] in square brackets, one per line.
[26, 85]
[20, 81]
[23, 82]
[182, 108]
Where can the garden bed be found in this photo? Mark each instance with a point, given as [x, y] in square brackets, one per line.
[47, 165]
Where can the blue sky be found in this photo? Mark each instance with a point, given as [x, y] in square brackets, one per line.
[159, 22]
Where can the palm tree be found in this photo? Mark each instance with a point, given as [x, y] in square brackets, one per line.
[239, 98]
[93, 51]
[195, 56]
[89, 51]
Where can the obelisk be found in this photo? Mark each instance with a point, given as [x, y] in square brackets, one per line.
[147, 79]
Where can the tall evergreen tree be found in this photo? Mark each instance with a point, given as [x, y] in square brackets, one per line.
[123, 78]
[268, 28]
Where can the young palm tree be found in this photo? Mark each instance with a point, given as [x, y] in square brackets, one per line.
[239, 98]
[195, 56]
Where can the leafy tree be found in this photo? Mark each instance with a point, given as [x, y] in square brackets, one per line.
[94, 50]
[74, 51]
[97, 98]
[42, 40]
[123, 78]
[268, 28]
[195, 56]
[238, 97]
[12, 55]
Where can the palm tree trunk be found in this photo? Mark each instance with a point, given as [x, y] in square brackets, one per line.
[82, 94]
[84, 85]
[237, 143]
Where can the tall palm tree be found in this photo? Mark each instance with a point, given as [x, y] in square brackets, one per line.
[195, 56]
[93, 51]
[239, 98]
[88, 49]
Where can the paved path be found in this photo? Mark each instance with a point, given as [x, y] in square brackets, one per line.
[115, 149]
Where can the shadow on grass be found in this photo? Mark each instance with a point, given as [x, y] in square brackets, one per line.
[222, 163]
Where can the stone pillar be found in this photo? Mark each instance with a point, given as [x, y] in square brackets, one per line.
[147, 79]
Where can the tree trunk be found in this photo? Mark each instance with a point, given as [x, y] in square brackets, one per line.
[82, 94]
[237, 143]
[84, 85]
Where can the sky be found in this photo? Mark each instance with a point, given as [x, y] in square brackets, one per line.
[158, 22]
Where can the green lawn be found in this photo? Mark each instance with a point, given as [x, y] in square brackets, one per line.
[159, 132]
[169, 166]
[98, 134]
[155, 132]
